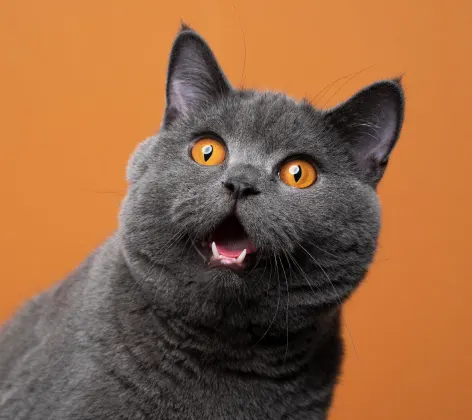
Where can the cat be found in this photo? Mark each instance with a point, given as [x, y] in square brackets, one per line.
[249, 219]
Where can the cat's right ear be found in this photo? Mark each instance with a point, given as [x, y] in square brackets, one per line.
[194, 78]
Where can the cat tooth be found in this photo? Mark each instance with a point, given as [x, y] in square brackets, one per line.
[241, 257]
[214, 249]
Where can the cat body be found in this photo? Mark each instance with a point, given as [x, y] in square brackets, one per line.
[249, 219]
[112, 357]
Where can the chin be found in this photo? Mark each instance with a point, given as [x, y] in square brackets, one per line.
[225, 278]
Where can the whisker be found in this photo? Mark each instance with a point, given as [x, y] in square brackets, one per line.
[153, 266]
[275, 315]
[338, 257]
[326, 89]
[244, 39]
[352, 76]
[259, 258]
[286, 310]
[119, 193]
[199, 252]
[270, 279]
[337, 296]
[329, 86]
[305, 276]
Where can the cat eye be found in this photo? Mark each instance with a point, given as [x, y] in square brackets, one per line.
[209, 152]
[298, 173]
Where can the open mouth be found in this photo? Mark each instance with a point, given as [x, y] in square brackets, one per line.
[229, 245]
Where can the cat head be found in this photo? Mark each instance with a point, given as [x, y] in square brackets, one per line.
[246, 201]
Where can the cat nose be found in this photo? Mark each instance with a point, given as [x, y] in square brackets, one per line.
[239, 188]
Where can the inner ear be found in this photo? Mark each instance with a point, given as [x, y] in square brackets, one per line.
[370, 123]
[194, 78]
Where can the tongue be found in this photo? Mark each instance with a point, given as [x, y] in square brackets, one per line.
[234, 248]
[231, 239]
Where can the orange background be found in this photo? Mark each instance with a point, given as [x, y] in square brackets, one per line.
[82, 82]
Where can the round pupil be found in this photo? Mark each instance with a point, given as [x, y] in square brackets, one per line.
[296, 171]
[207, 151]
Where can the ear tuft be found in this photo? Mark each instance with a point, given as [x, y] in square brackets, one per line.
[184, 27]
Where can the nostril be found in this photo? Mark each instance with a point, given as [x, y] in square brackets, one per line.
[247, 189]
[240, 189]
[229, 185]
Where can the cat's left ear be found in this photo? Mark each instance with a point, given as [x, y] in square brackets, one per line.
[194, 78]
[370, 122]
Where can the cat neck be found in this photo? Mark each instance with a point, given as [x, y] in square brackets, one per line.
[151, 330]
[152, 334]
[275, 354]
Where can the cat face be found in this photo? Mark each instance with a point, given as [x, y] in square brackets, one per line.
[245, 199]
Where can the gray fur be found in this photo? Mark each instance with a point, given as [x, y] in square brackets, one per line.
[143, 329]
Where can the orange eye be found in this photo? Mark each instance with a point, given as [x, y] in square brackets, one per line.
[298, 173]
[208, 152]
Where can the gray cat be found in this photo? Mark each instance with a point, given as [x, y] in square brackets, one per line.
[249, 219]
